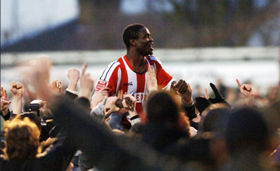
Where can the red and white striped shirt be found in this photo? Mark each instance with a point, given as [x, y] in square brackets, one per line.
[119, 75]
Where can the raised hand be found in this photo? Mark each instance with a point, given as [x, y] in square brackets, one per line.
[129, 102]
[74, 76]
[206, 93]
[16, 88]
[56, 86]
[218, 97]
[4, 101]
[152, 79]
[98, 97]
[86, 83]
[37, 73]
[110, 105]
[5, 105]
[247, 91]
[18, 91]
[184, 90]
[3, 94]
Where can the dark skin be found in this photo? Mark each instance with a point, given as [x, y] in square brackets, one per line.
[139, 48]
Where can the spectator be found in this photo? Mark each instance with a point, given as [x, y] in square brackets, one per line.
[22, 148]
[247, 140]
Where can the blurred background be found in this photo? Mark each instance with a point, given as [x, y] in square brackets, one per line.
[201, 41]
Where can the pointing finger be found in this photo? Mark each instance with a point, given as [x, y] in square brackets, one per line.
[206, 93]
[238, 83]
[214, 88]
[84, 68]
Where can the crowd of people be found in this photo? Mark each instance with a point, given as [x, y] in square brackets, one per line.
[136, 117]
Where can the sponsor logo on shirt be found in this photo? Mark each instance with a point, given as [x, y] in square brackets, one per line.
[140, 97]
[128, 84]
[100, 85]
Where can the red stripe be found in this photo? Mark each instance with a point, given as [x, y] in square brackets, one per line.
[141, 81]
[124, 76]
[113, 82]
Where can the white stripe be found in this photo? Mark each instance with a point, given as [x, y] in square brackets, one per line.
[146, 77]
[131, 78]
[109, 70]
[119, 80]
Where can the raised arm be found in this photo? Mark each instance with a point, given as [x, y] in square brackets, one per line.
[86, 83]
[248, 93]
[74, 76]
[5, 103]
[18, 91]
[184, 90]
[56, 86]
[152, 83]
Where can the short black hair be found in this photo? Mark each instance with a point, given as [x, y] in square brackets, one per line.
[131, 32]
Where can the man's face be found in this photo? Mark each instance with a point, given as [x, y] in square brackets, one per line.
[144, 43]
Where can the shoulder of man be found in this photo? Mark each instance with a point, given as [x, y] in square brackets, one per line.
[153, 59]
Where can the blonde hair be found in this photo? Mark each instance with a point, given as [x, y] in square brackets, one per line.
[22, 139]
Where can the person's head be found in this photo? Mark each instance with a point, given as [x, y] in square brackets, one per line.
[163, 107]
[137, 35]
[22, 139]
[246, 130]
[212, 126]
[213, 119]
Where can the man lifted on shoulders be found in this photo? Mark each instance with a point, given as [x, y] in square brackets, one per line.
[129, 73]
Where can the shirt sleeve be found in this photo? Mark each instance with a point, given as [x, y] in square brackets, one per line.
[109, 78]
[164, 78]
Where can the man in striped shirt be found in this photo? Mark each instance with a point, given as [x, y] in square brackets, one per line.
[129, 73]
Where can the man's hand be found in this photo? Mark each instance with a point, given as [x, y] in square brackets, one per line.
[129, 102]
[3, 94]
[184, 90]
[5, 106]
[119, 103]
[247, 91]
[152, 79]
[37, 74]
[74, 76]
[98, 97]
[86, 83]
[110, 105]
[56, 86]
[218, 97]
[4, 101]
[17, 89]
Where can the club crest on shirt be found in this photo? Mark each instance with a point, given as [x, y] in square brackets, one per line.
[128, 84]
[100, 85]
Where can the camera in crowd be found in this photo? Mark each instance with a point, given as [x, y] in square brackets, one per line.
[41, 109]
[35, 106]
